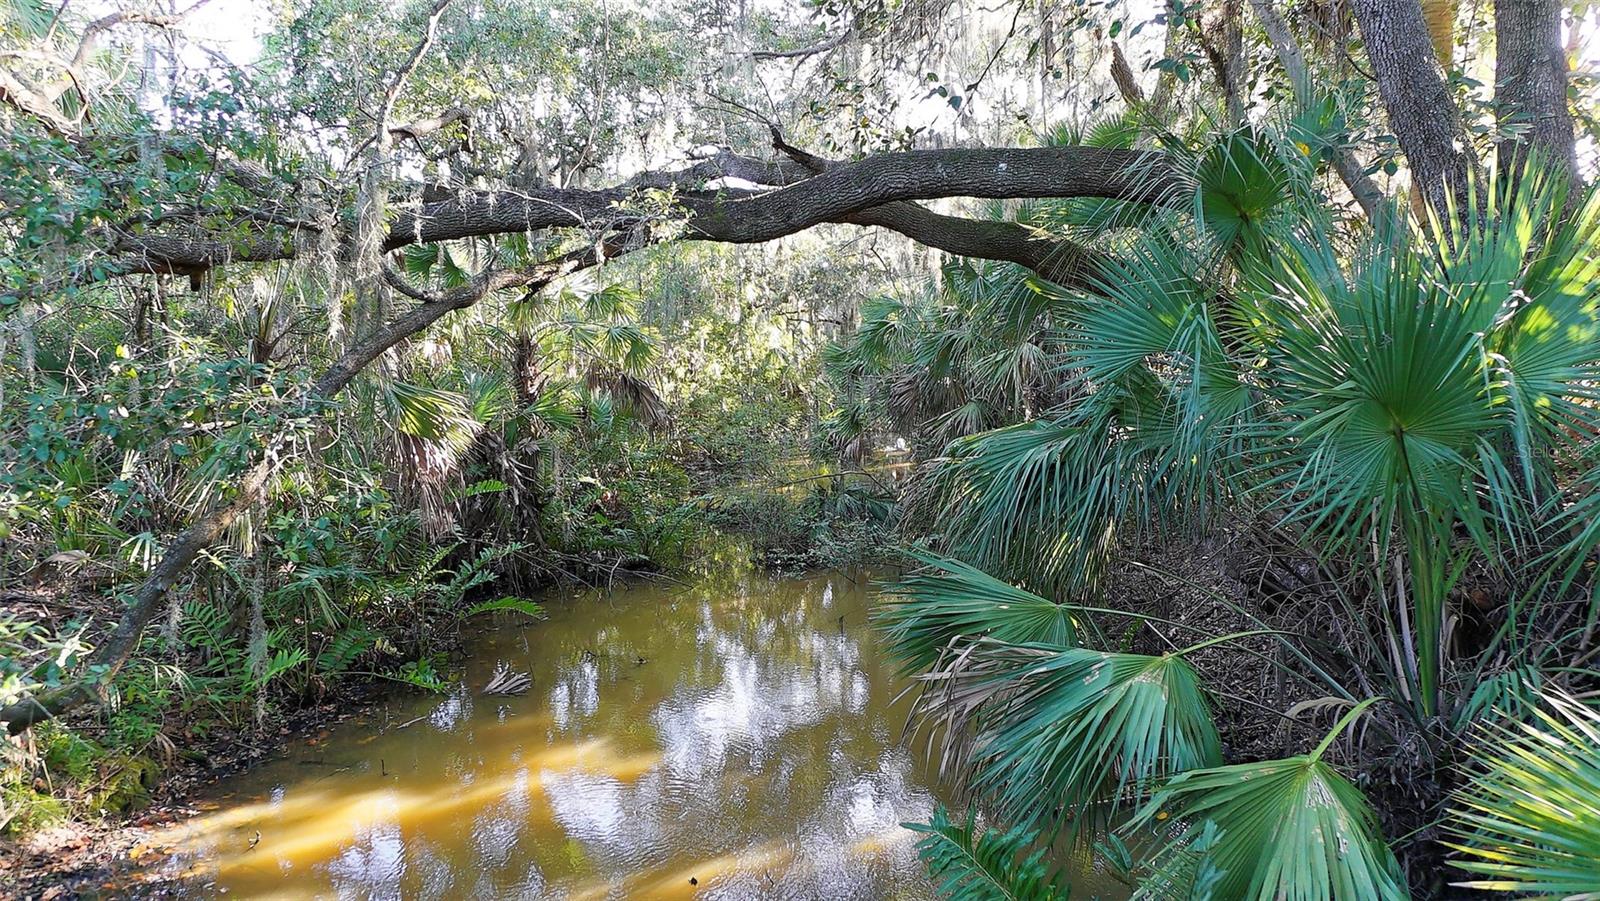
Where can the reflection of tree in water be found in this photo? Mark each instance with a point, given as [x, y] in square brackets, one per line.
[761, 708]
[739, 731]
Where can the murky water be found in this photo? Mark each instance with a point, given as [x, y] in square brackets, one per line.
[736, 738]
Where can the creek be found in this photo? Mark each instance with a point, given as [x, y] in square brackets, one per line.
[736, 737]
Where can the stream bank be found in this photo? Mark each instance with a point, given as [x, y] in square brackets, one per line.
[734, 737]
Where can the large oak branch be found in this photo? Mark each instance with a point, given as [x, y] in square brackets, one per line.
[876, 191]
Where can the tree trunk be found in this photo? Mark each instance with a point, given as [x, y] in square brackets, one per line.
[1422, 114]
[1530, 76]
[1293, 60]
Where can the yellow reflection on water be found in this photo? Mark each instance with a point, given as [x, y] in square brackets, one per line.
[736, 739]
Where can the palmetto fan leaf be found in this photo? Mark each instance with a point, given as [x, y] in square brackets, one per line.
[968, 419]
[1008, 300]
[1545, 337]
[1242, 183]
[1274, 830]
[886, 323]
[1041, 730]
[1156, 336]
[1043, 499]
[557, 407]
[1151, 293]
[946, 600]
[1383, 392]
[612, 303]
[1414, 370]
[438, 417]
[969, 865]
[1529, 819]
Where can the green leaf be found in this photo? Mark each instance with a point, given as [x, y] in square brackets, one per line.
[1047, 734]
[519, 605]
[1273, 830]
[990, 866]
[1528, 819]
[946, 600]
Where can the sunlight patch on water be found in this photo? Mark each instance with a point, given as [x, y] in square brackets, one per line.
[736, 739]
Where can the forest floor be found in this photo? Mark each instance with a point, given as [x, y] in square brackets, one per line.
[101, 858]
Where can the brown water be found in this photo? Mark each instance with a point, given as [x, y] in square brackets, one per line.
[736, 738]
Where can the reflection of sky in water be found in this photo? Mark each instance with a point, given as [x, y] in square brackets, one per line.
[453, 712]
[743, 737]
[751, 708]
[577, 695]
[372, 865]
[590, 808]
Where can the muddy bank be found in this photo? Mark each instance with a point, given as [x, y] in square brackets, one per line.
[83, 858]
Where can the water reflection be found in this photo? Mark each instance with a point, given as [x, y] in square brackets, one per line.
[731, 740]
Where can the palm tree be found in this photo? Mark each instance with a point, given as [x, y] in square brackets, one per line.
[1404, 408]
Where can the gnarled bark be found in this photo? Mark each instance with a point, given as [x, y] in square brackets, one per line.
[1530, 93]
[796, 200]
[1422, 114]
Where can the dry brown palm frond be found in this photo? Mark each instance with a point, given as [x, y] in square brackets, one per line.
[854, 450]
[633, 394]
[428, 472]
[506, 682]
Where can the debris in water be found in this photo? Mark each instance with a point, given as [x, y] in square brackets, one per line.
[506, 682]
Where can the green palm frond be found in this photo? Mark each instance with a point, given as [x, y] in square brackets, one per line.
[488, 395]
[1578, 529]
[1152, 293]
[627, 348]
[31, 18]
[600, 410]
[557, 407]
[452, 262]
[1243, 183]
[946, 600]
[1044, 500]
[1383, 392]
[1545, 329]
[1274, 830]
[970, 418]
[886, 324]
[846, 427]
[1045, 734]
[968, 865]
[1430, 375]
[611, 304]
[1528, 821]
[1513, 693]
[438, 417]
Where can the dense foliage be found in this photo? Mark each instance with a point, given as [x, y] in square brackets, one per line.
[1411, 420]
[308, 359]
